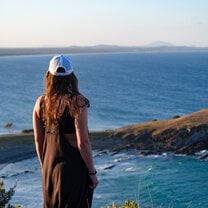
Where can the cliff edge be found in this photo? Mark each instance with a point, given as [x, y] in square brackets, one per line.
[183, 135]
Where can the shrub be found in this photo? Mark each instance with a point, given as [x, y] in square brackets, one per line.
[176, 116]
[127, 204]
[5, 196]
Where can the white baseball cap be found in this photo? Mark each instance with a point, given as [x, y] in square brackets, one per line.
[60, 61]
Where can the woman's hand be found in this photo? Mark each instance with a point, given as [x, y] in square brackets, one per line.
[93, 181]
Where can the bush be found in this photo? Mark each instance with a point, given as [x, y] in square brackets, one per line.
[176, 116]
[127, 204]
[154, 119]
[5, 196]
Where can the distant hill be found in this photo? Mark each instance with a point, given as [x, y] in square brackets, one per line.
[153, 47]
[159, 44]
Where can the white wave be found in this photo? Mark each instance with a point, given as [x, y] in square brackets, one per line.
[131, 169]
[18, 168]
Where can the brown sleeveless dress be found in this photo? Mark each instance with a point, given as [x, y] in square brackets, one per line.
[65, 178]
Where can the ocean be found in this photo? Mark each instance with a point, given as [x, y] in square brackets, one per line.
[123, 89]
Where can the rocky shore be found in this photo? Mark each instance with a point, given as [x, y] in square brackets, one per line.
[181, 135]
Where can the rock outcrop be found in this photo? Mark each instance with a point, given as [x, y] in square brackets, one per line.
[184, 135]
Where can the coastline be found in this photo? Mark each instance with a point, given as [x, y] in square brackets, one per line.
[16, 147]
[182, 135]
[97, 49]
[20, 146]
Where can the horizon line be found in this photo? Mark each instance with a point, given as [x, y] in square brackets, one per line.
[104, 45]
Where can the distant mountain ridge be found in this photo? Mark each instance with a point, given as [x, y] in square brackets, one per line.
[154, 47]
[159, 44]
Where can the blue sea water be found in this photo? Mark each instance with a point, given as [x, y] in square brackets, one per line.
[124, 88]
[159, 181]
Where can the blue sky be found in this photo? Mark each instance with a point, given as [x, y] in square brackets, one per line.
[39, 23]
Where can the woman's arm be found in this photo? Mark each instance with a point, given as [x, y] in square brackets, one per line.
[83, 143]
[38, 130]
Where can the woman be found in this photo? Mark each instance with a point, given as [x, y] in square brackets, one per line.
[62, 141]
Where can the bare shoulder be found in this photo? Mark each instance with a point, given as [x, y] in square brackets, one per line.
[37, 104]
[39, 99]
[80, 101]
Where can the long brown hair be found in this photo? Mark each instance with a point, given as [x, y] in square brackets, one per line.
[59, 90]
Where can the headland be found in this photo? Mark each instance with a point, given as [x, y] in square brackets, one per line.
[187, 135]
